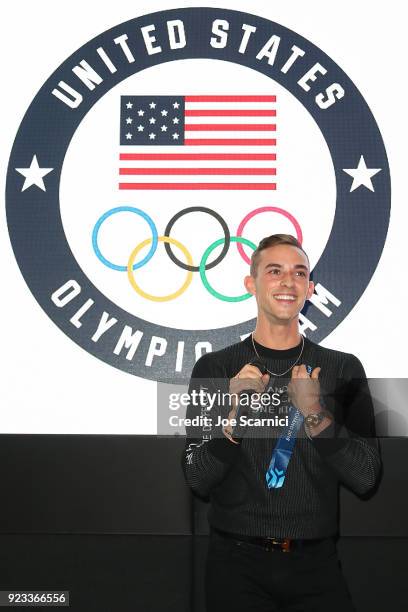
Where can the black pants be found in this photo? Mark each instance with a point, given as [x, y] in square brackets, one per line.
[244, 578]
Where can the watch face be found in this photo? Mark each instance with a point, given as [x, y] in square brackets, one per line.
[313, 419]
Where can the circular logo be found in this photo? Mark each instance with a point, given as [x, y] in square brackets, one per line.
[154, 159]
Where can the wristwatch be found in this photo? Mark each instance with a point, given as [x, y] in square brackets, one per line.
[312, 420]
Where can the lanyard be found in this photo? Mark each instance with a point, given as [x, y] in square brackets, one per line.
[276, 472]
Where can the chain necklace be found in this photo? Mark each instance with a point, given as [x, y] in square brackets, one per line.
[286, 371]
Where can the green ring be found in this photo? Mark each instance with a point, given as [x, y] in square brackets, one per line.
[207, 253]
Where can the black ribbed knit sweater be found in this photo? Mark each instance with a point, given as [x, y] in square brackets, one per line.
[233, 476]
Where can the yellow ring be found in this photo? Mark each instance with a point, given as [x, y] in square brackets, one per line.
[155, 298]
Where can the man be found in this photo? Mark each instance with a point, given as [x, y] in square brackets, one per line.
[272, 542]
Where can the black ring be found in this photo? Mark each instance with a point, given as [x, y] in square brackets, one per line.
[224, 226]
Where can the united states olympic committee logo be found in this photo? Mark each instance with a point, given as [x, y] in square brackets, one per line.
[154, 159]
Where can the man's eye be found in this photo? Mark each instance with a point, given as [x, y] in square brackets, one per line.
[301, 273]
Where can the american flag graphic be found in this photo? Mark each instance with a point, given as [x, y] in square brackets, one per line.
[199, 142]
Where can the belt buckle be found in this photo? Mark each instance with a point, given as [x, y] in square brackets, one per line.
[282, 544]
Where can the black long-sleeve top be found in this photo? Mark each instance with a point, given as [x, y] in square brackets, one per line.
[233, 476]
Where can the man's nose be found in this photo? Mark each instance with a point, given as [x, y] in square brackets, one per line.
[287, 280]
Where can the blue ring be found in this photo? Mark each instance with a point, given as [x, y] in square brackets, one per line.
[113, 211]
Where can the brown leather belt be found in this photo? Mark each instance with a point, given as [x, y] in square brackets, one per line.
[271, 543]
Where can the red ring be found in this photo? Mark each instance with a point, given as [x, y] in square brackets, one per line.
[256, 211]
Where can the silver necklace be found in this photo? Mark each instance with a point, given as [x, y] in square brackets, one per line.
[286, 371]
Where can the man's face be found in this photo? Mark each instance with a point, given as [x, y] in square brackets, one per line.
[282, 284]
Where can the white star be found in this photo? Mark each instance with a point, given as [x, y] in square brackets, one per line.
[164, 113]
[152, 105]
[129, 120]
[175, 120]
[34, 174]
[176, 105]
[128, 136]
[164, 128]
[140, 128]
[140, 113]
[175, 136]
[152, 136]
[129, 105]
[362, 175]
[152, 120]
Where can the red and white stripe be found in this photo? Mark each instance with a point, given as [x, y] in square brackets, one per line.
[230, 143]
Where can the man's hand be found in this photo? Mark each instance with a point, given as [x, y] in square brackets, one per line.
[248, 378]
[304, 390]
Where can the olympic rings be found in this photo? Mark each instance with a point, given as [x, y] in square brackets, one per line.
[220, 296]
[103, 218]
[213, 214]
[261, 210]
[188, 266]
[149, 296]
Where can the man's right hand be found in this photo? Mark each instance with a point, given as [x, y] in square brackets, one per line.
[248, 378]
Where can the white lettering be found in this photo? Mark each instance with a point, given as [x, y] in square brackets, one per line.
[129, 340]
[305, 323]
[220, 28]
[179, 356]
[149, 40]
[76, 318]
[87, 75]
[248, 30]
[121, 41]
[334, 92]
[157, 348]
[71, 288]
[173, 27]
[270, 49]
[201, 348]
[296, 52]
[72, 102]
[321, 297]
[105, 323]
[243, 336]
[106, 59]
[311, 75]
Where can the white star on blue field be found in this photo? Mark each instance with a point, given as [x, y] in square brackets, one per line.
[152, 120]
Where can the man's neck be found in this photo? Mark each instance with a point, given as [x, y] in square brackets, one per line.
[279, 337]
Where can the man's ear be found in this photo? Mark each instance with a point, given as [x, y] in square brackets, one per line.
[310, 290]
[249, 283]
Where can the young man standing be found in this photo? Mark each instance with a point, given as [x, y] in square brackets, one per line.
[273, 491]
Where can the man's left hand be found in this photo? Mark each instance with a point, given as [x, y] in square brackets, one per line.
[304, 390]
